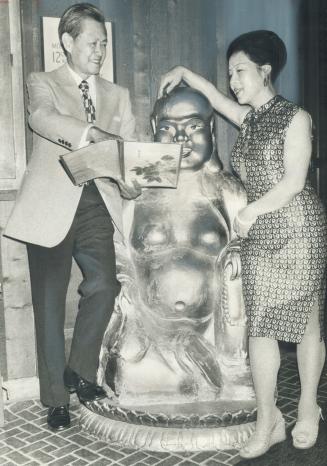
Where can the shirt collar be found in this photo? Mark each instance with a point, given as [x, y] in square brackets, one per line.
[78, 79]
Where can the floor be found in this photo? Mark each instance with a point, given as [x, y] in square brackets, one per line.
[25, 439]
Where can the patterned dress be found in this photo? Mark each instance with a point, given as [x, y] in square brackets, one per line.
[284, 256]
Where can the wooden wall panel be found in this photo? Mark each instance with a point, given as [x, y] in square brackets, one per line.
[32, 57]
[120, 12]
[17, 80]
[142, 67]
[165, 34]
[182, 32]
[18, 315]
[314, 54]
[7, 155]
[17, 334]
[226, 133]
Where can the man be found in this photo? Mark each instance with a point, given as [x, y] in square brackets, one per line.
[71, 107]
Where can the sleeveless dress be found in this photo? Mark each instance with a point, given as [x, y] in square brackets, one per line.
[284, 256]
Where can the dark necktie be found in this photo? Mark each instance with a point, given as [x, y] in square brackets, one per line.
[87, 101]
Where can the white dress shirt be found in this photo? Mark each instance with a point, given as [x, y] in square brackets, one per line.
[92, 90]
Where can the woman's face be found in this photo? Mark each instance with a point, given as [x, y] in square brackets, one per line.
[246, 79]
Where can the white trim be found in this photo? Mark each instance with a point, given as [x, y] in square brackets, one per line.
[2, 419]
[17, 95]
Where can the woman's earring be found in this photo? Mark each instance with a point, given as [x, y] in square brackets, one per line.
[265, 81]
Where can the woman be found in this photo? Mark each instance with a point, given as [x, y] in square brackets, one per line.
[283, 228]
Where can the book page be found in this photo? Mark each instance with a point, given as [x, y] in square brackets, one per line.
[93, 161]
[152, 164]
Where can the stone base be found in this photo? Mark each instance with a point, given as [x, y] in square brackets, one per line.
[163, 438]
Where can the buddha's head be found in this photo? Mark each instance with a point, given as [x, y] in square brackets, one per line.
[185, 116]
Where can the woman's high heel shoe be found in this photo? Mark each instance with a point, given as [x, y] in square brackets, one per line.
[305, 433]
[260, 443]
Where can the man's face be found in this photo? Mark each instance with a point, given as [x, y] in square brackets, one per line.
[88, 51]
[185, 119]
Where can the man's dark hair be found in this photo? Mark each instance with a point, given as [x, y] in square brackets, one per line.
[71, 20]
[262, 47]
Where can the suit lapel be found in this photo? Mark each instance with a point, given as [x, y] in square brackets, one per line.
[100, 104]
[107, 103]
[70, 94]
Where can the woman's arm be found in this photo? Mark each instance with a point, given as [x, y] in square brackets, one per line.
[297, 154]
[222, 104]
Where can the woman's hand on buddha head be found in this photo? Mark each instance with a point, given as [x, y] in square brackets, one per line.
[170, 80]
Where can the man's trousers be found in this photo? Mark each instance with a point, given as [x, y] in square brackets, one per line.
[90, 242]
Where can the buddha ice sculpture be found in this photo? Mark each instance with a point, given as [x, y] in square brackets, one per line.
[177, 344]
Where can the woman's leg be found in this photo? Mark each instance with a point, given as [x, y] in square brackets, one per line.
[265, 362]
[311, 357]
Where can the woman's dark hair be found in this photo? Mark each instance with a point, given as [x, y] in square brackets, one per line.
[262, 47]
[71, 20]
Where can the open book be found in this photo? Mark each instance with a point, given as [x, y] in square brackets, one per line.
[151, 164]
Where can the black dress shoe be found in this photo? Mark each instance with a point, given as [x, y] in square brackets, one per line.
[85, 390]
[58, 417]
[71, 379]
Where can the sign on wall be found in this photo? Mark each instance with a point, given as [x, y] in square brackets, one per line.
[54, 56]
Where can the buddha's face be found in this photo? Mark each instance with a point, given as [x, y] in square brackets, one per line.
[185, 117]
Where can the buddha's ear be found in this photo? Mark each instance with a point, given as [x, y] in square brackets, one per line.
[212, 125]
[212, 129]
[153, 122]
[213, 136]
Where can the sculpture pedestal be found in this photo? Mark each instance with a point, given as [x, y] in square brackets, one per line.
[212, 426]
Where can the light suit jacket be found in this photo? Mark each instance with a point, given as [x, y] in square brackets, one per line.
[47, 200]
